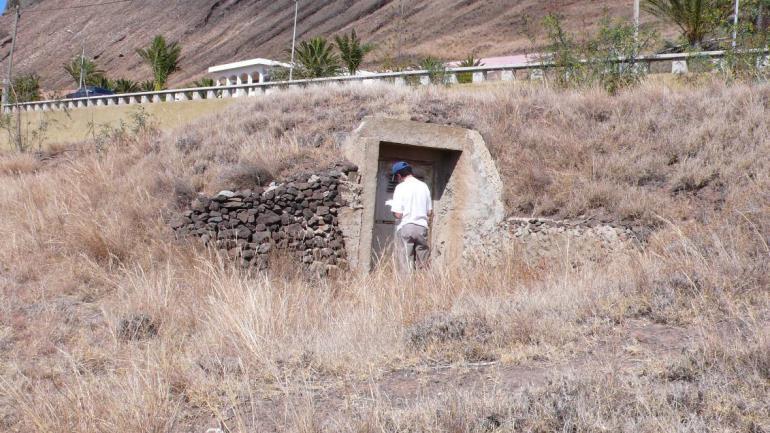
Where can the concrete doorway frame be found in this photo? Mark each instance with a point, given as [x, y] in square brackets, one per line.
[470, 207]
[434, 166]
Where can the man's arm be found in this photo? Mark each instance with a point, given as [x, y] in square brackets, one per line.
[397, 208]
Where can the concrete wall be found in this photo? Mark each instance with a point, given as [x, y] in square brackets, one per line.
[63, 127]
[469, 208]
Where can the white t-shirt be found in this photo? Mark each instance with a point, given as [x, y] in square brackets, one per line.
[412, 200]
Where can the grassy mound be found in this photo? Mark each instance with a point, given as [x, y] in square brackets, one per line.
[87, 255]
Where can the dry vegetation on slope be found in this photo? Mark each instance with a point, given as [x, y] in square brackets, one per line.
[672, 337]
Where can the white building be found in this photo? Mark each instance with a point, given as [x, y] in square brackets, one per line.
[244, 72]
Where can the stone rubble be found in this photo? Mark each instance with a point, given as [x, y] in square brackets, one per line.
[524, 228]
[590, 240]
[299, 215]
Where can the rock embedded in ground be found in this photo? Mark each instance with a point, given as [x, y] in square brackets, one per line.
[298, 215]
[137, 327]
[442, 328]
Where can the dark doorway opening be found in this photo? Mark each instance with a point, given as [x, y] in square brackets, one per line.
[432, 166]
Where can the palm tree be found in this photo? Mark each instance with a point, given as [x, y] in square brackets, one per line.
[436, 69]
[352, 52]
[696, 18]
[163, 58]
[103, 82]
[123, 85]
[317, 59]
[204, 82]
[469, 62]
[92, 75]
[147, 86]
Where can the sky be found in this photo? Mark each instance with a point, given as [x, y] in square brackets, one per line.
[2, 5]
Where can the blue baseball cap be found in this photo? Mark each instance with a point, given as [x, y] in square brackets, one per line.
[400, 165]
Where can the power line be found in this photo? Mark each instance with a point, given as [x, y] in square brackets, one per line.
[77, 6]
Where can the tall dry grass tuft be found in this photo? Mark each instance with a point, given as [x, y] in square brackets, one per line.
[87, 253]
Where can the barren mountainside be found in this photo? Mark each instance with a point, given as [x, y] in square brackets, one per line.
[220, 31]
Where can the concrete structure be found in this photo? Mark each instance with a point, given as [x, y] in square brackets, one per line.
[455, 162]
[245, 72]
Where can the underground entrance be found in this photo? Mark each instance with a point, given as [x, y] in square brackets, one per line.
[432, 166]
[454, 162]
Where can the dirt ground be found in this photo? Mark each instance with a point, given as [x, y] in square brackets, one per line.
[632, 349]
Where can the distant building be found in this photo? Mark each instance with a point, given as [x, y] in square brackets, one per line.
[244, 72]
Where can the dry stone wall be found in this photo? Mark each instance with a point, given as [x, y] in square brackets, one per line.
[299, 216]
[539, 238]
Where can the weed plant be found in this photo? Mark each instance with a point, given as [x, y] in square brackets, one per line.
[608, 59]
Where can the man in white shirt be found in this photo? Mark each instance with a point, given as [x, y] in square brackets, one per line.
[412, 205]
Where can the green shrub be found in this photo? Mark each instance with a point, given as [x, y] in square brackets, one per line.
[596, 61]
[748, 61]
[436, 70]
[26, 88]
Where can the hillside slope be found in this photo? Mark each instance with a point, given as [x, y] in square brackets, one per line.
[220, 31]
[110, 324]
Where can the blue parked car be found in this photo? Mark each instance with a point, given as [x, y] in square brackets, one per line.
[90, 91]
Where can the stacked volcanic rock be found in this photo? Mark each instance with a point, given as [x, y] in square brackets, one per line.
[298, 216]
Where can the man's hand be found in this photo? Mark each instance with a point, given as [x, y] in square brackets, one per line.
[398, 215]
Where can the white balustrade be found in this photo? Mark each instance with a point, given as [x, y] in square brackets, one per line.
[673, 63]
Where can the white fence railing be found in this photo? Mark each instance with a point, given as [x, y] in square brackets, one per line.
[661, 63]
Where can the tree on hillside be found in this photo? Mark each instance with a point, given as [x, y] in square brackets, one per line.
[352, 51]
[11, 5]
[696, 18]
[26, 88]
[163, 59]
[204, 82]
[756, 12]
[316, 59]
[436, 69]
[147, 86]
[123, 85]
[93, 76]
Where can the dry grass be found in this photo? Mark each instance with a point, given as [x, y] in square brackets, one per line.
[85, 246]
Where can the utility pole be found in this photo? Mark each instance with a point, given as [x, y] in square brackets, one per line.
[735, 24]
[82, 78]
[636, 27]
[9, 76]
[293, 39]
[82, 72]
[400, 26]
